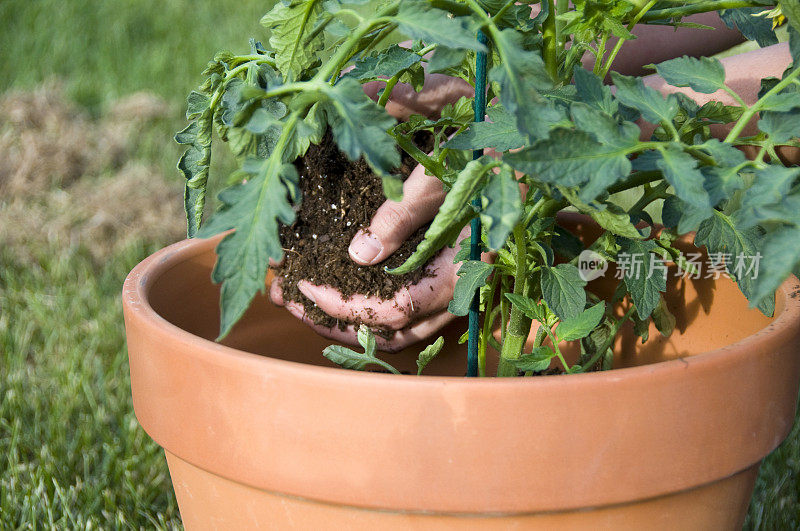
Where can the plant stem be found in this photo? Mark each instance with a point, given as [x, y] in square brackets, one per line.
[518, 324]
[488, 319]
[550, 41]
[618, 46]
[715, 5]
[610, 341]
[387, 90]
[743, 120]
[600, 54]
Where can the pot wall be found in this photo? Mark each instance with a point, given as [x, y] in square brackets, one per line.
[318, 440]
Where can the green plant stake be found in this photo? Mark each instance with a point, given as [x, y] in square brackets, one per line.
[475, 224]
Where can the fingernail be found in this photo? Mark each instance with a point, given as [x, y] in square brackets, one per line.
[365, 247]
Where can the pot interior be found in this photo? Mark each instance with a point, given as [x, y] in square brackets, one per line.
[709, 314]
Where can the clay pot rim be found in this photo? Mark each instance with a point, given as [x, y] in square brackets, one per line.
[136, 291]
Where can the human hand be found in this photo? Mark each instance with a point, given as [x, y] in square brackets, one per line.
[416, 311]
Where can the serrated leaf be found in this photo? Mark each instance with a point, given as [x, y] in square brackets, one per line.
[770, 187]
[631, 91]
[720, 234]
[520, 75]
[446, 59]
[682, 216]
[782, 102]
[350, 359]
[501, 207]
[753, 27]
[531, 308]
[612, 217]
[579, 326]
[663, 318]
[571, 158]
[254, 209]
[643, 279]
[388, 63]
[359, 126]
[471, 275]
[196, 104]
[290, 22]
[780, 257]
[702, 74]
[680, 170]
[453, 215]
[367, 340]
[427, 355]
[562, 290]
[194, 166]
[416, 19]
[592, 91]
[538, 360]
[780, 126]
[500, 133]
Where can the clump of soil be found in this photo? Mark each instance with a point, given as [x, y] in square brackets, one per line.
[339, 198]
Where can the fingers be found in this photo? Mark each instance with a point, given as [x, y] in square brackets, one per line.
[395, 221]
[439, 90]
[276, 291]
[428, 296]
[400, 340]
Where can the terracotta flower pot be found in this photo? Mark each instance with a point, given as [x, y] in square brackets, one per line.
[261, 432]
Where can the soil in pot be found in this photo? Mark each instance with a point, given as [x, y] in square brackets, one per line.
[339, 197]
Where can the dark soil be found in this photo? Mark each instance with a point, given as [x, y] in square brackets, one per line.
[339, 198]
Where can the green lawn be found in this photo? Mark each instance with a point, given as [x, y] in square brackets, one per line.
[71, 452]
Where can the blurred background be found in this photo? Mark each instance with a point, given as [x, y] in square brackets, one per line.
[91, 93]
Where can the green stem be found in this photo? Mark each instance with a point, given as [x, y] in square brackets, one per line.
[600, 54]
[550, 41]
[518, 324]
[704, 7]
[748, 114]
[610, 341]
[618, 46]
[387, 90]
[488, 319]
[555, 342]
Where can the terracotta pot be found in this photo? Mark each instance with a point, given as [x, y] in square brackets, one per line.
[262, 432]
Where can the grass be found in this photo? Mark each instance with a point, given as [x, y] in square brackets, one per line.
[71, 452]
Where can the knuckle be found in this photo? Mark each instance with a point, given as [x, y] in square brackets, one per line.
[396, 218]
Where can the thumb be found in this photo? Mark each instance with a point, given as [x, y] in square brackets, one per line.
[395, 221]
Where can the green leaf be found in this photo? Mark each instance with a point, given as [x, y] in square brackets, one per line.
[194, 165]
[753, 27]
[562, 290]
[531, 308]
[678, 214]
[520, 75]
[702, 74]
[720, 234]
[453, 215]
[583, 323]
[680, 170]
[643, 278]
[571, 158]
[592, 91]
[388, 62]
[289, 23]
[770, 187]
[499, 133]
[631, 91]
[196, 104]
[501, 207]
[359, 126]
[471, 275]
[612, 217]
[445, 60]
[663, 318]
[254, 210]
[781, 255]
[791, 10]
[780, 126]
[350, 359]
[416, 19]
[427, 355]
[538, 360]
[782, 102]
[392, 188]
